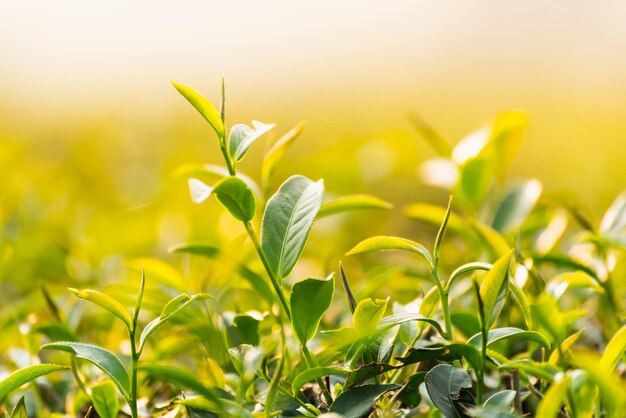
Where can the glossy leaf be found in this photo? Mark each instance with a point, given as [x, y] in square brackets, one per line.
[499, 334]
[287, 220]
[368, 314]
[105, 302]
[312, 374]
[275, 153]
[104, 399]
[310, 298]
[351, 203]
[27, 374]
[242, 136]
[236, 197]
[386, 243]
[365, 372]
[468, 268]
[203, 106]
[500, 401]
[102, 358]
[516, 206]
[494, 287]
[444, 384]
[358, 401]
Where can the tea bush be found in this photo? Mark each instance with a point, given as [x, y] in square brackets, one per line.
[514, 308]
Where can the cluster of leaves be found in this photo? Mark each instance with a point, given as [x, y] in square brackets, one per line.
[520, 310]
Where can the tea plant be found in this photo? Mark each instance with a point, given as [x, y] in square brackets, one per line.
[516, 308]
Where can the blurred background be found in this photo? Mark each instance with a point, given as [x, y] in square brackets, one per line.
[91, 129]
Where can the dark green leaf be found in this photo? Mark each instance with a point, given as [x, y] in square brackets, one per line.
[444, 384]
[287, 220]
[367, 371]
[181, 377]
[411, 396]
[358, 401]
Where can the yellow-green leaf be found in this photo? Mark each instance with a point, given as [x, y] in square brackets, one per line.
[203, 106]
[385, 243]
[614, 351]
[105, 302]
[494, 287]
[368, 314]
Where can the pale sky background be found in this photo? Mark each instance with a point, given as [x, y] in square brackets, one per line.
[355, 66]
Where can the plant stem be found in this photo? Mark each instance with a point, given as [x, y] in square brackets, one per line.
[312, 362]
[443, 296]
[275, 281]
[134, 357]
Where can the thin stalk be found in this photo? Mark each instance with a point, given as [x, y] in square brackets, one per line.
[134, 357]
[443, 296]
[275, 281]
[79, 381]
[312, 362]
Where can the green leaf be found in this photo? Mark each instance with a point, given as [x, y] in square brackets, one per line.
[237, 198]
[203, 106]
[434, 215]
[467, 268]
[411, 396]
[104, 399]
[173, 307]
[368, 314]
[401, 318]
[466, 322]
[385, 243]
[444, 384]
[287, 221]
[494, 288]
[543, 371]
[105, 302]
[102, 358]
[346, 287]
[181, 377]
[246, 328]
[310, 298]
[614, 351]
[196, 248]
[19, 411]
[213, 171]
[500, 401]
[560, 283]
[516, 206]
[506, 137]
[25, 375]
[492, 239]
[434, 138]
[365, 372]
[429, 304]
[555, 396]
[275, 154]
[350, 203]
[522, 302]
[242, 136]
[358, 401]
[499, 334]
[475, 178]
[312, 374]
